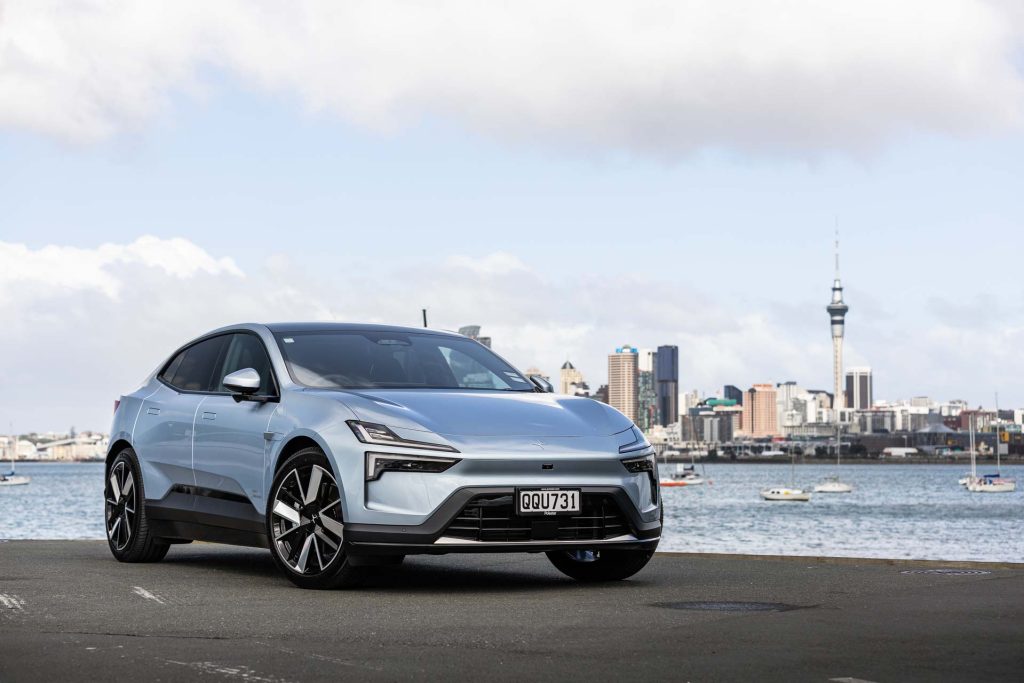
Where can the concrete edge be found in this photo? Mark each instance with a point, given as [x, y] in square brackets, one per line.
[816, 559]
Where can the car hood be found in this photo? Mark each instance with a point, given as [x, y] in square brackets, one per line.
[486, 413]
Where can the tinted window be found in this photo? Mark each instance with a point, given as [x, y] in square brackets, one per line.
[195, 370]
[354, 360]
[247, 351]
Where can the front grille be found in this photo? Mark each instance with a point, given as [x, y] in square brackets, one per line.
[493, 519]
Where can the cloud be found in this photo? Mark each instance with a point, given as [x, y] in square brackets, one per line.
[84, 325]
[661, 78]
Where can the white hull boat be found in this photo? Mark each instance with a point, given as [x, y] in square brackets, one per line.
[992, 484]
[14, 480]
[782, 493]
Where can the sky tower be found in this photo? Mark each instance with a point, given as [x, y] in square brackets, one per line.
[837, 312]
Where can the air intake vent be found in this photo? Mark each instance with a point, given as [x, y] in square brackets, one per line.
[492, 519]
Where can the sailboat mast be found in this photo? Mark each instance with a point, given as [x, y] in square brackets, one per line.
[974, 468]
[998, 465]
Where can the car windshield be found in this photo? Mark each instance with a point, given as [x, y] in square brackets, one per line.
[394, 360]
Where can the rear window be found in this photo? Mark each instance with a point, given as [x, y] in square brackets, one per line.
[387, 360]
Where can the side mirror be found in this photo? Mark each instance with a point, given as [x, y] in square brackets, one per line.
[245, 381]
[542, 384]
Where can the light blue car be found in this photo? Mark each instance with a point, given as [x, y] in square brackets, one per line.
[346, 446]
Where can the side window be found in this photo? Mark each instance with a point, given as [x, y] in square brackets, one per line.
[247, 351]
[195, 370]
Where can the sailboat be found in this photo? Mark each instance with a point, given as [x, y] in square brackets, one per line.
[988, 483]
[832, 484]
[682, 475]
[787, 493]
[11, 478]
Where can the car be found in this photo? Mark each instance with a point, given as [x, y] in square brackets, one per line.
[341, 447]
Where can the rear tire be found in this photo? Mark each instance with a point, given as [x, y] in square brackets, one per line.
[305, 526]
[125, 520]
[600, 565]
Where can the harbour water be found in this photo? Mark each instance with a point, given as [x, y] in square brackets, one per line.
[895, 511]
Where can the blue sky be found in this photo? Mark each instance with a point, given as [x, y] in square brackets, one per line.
[581, 242]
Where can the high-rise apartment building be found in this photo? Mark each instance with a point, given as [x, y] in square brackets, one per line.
[623, 369]
[860, 388]
[760, 411]
[666, 379]
[646, 396]
[567, 377]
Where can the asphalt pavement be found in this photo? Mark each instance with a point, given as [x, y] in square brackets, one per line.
[68, 611]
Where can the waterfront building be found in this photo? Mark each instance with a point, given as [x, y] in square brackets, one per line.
[733, 393]
[646, 390]
[601, 394]
[473, 332]
[760, 411]
[859, 388]
[622, 380]
[837, 310]
[666, 377]
[567, 377]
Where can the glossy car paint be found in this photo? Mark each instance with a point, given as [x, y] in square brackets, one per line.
[213, 443]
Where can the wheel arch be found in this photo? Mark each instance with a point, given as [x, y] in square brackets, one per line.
[115, 448]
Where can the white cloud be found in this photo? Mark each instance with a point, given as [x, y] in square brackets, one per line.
[658, 77]
[81, 326]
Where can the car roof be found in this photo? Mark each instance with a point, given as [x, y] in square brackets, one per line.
[279, 328]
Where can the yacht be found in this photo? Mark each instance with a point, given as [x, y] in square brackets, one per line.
[987, 483]
[832, 484]
[787, 493]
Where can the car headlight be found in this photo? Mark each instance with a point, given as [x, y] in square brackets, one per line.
[379, 463]
[645, 463]
[381, 435]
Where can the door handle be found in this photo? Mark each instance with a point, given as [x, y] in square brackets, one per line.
[152, 411]
[209, 416]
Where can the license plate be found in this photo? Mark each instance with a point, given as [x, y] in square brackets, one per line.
[547, 501]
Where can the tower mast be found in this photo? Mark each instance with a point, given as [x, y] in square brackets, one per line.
[837, 310]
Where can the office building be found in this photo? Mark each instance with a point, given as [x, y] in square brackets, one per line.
[859, 388]
[623, 372]
[666, 379]
[733, 394]
[473, 332]
[760, 411]
[567, 377]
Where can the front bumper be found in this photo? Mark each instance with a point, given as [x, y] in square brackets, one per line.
[434, 536]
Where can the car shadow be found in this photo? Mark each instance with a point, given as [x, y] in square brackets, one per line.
[450, 574]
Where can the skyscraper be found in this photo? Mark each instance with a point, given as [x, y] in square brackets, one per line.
[733, 393]
[646, 393]
[568, 376]
[837, 313]
[473, 332]
[666, 378]
[622, 380]
[859, 388]
[760, 412]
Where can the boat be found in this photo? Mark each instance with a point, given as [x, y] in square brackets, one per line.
[832, 484]
[12, 478]
[681, 475]
[987, 483]
[787, 493]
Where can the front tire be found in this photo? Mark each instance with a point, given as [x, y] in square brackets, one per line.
[305, 525]
[127, 525]
[600, 565]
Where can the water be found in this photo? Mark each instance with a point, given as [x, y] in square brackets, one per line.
[895, 511]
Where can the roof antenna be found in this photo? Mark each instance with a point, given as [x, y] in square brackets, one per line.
[424, 317]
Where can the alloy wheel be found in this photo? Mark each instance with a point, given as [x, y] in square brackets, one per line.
[306, 524]
[120, 505]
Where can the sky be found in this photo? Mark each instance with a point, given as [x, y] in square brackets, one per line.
[570, 176]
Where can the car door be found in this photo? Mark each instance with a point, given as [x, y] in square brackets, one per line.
[230, 448]
[164, 429]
